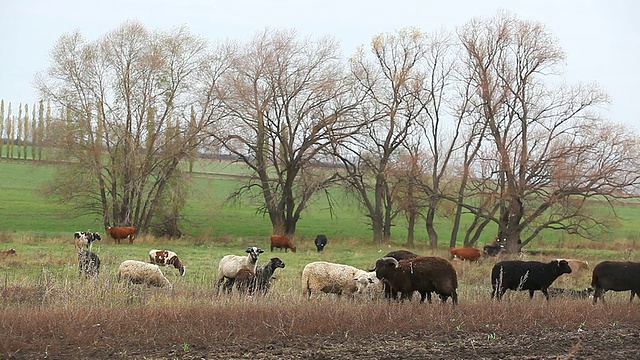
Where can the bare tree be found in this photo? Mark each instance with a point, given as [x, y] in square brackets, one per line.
[407, 179]
[392, 83]
[549, 157]
[286, 101]
[127, 97]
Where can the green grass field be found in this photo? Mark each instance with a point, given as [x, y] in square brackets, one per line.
[24, 210]
[48, 310]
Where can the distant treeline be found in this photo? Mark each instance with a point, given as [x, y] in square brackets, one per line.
[25, 134]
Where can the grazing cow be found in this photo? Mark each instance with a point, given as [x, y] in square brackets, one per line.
[470, 254]
[85, 239]
[8, 252]
[281, 242]
[616, 276]
[321, 242]
[526, 275]
[166, 257]
[118, 233]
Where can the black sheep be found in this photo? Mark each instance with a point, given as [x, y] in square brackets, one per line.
[260, 280]
[401, 254]
[321, 242]
[88, 262]
[616, 276]
[424, 274]
[526, 275]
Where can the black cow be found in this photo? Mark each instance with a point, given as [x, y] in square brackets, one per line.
[321, 242]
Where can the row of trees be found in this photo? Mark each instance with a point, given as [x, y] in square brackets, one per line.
[22, 136]
[474, 122]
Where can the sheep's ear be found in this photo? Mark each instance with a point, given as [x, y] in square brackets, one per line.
[248, 250]
[260, 251]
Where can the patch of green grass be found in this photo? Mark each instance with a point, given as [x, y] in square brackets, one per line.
[208, 217]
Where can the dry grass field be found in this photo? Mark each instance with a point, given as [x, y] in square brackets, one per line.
[48, 311]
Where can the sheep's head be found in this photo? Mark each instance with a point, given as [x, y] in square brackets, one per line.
[384, 266]
[562, 266]
[366, 278]
[176, 264]
[276, 263]
[254, 252]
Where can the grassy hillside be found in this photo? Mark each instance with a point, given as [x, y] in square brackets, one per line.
[25, 210]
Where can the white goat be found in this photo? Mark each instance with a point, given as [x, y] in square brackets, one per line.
[322, 276]
[140, 272]
[230, 265]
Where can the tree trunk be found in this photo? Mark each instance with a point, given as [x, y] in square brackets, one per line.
[431, 231]
[411, 225]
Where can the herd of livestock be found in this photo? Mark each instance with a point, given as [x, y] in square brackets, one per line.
[397, 275]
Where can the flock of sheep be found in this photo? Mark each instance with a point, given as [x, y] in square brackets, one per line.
[134, 271]
[397, 275]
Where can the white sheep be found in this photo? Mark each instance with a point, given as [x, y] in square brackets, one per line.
[140, 272]
[322, 276]
[369, 286]
[230, 265]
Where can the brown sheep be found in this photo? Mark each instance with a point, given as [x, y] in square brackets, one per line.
[424, 274]
[281, 242]
[390, 293]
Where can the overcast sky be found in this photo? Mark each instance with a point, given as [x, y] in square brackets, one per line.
[601, 38]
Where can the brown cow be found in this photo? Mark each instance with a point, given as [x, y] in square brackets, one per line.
[463, 253]
[281, 242]
[118, 233]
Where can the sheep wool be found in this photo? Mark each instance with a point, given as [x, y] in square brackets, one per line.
[139, 272]
[322, 276]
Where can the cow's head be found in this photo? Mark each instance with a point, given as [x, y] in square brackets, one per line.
[254, 252]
